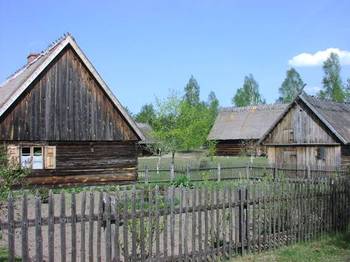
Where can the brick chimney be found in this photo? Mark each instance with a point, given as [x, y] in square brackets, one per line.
[31, 57]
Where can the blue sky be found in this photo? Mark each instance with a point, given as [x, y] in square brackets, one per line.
[143, 49]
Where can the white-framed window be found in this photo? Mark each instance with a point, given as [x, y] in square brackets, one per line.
[38, 157]
[26, 158]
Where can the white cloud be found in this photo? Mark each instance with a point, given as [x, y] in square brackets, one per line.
[317, 59]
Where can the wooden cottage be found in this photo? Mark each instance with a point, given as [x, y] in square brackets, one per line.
[310, 133]
[59, 118]
[237, 129]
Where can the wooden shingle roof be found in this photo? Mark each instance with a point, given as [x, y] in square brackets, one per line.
[17, 83]
[240, 123]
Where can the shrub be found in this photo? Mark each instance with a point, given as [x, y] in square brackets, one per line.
[182, 181]
[10, 175]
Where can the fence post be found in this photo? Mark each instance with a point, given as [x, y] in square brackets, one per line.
[219, 172]
[157, 168]
[247, 171]
[146, 174]
[188, 171]
[172, 173]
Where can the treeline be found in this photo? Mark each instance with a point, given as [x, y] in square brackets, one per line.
[183, 121]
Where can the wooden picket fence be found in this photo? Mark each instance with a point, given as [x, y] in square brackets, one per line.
[174, 224]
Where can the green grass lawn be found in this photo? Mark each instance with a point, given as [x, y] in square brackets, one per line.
[331, 248]
[197, 159]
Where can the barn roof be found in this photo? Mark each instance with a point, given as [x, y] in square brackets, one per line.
[17, 83]
[249, 122]
[147, 130]
[335, 116]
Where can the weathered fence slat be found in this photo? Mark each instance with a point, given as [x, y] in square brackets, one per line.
[74, 227]
[24, 228]
[99, 225]
[11, 229]
[51, 228]
[38, 232]
[206, 223]
[63, 227]
[142, 226]
[150, 222]
[194, 220]
[180, 221]
[82, 227]
[91, 226]
[108, 229]
[125, 228]
[186, 200]
[157, 220]
[116, 213]
[133, 224]
[172, 223]
[165, 222]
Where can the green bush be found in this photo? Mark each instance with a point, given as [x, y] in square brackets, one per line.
[10, 175]
[182, 181]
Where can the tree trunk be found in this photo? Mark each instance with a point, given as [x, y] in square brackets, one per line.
[173, 158]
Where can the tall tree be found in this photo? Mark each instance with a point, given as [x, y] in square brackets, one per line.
[332, 84]
[147, 114]
[291, 86]
[192, 91]
[213, 105]
[248, 94]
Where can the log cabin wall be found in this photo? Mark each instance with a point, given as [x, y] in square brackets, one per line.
[238, 148]
[301, 140]
[65, 107]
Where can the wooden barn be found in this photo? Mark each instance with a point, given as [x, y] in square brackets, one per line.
[310, 133]
[59, 118]
[237, 129]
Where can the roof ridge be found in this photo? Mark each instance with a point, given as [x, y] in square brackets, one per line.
[255, 107]
[43, 52]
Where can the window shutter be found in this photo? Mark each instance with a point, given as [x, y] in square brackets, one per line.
[13, 154]
[50, 157]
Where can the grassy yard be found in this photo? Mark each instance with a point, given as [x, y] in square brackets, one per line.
[331, 248]
[197, 159]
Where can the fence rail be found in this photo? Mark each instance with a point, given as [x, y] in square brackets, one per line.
[174, 224]
[218, 173]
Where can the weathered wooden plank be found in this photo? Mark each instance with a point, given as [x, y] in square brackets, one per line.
[38, 231]
[24, 229]
[231, 213]
[125, 228]
[150, 222]
[116, 212]
[74, 227]
[63, 226]
[11, 229]
[186, 240]
[180, 221]
[142, 225]
[206, 222]
[172, 223]
[194, 220]
[99, 225]
[91, 225]
[165, 223]
[133, 224]
[82, 227]
[157, 221]
[108, 230]
[217, 221]
[51, 228]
